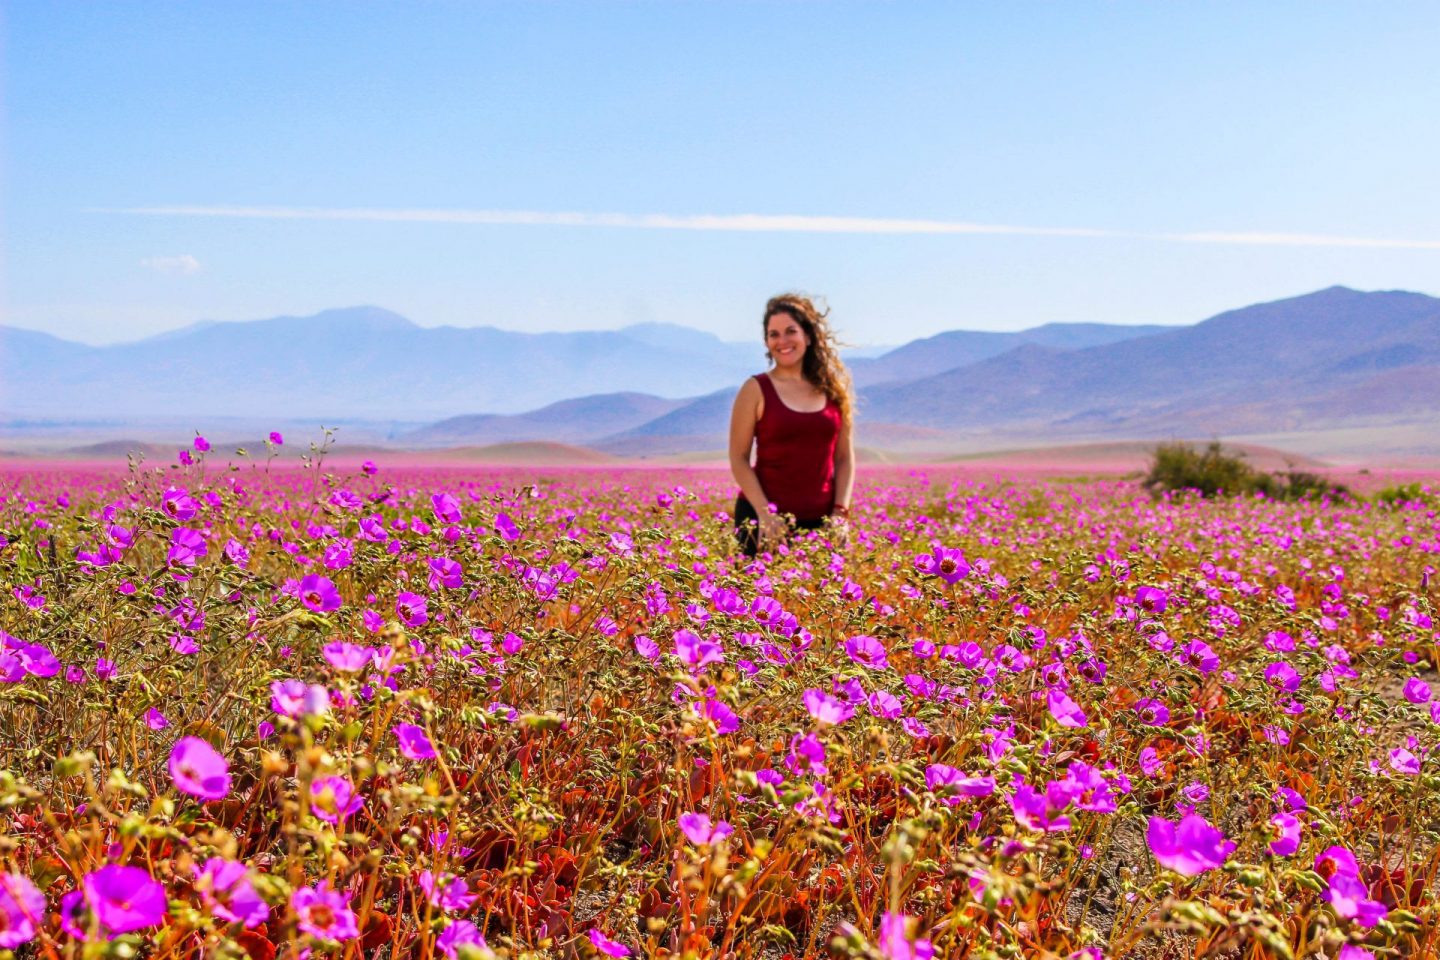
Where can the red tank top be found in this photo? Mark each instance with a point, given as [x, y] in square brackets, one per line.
[795, 455]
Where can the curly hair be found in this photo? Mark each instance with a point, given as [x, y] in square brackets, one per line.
[822, 365]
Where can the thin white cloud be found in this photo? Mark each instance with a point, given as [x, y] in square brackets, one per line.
[749, 222]
[174, 266]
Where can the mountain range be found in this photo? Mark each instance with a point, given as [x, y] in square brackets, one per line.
[1334, 360]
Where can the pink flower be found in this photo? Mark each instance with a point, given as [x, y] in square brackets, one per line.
[155, 720]
[1066, 712]
[119, 899]
[1152, 712]
[1403, 761]
[460, 933]
[22, 910]
[1190, 847]
[412, 608]
[186, 546]
[1151, 599]
[324, 913]
[647, 648]
[1417, 690]
[225, 889]
[1287, 834]
[825, 708]
[348, 657]
[414, 744]
[293, 698]
[506, 527]
[446, 891]
[276, 438]
[895, 942]
[698, 829]
[446, 507]
[201, 444]
[198, 769]
[867, 651]
[607, 946]
[696, 652]
[318, 593]
[333, 799]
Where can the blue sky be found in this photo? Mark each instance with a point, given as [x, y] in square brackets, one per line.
[546, 166]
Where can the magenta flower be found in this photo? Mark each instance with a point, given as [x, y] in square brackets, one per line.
[118, 899]
[1199, 655]
[1349, 898]
[369, 469]
[460, 933]
[867, 651]
[1066, 712]
[347, 657]
[276, 438]
[318, 593]
[696, 652]
[954, 786]
[446, 573]
[202, 444]
[447, 891]
[412, 608]
[293, 698]
[1282, 676]
[1417, 690]
[22, 910]
[1287, 834]
[506, 527]
[414, 744]
[322, 912]
[198, 769]
[1190, 847]
[825, 708]
[1153, 713]
[1152, 600]
[699, 831]
[647, 648]
[225, 889]
[895, 942]
[186, 546]
[1403, 761]
[947, 563]
[333, 799]
[1041, 811]
[605, 945]
[719, 713]
[178, 505]
[446, 507]
[155, 720]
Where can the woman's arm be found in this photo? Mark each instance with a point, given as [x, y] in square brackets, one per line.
[844, 465]
[742, 434]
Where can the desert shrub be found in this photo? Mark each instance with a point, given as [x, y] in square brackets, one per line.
[1211, 471]
[1402, 494]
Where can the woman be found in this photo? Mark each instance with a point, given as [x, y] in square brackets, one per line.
[799, 417]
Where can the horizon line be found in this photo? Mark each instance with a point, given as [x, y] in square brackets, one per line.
[752, 223]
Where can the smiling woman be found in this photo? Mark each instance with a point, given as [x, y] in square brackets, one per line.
[798, 419]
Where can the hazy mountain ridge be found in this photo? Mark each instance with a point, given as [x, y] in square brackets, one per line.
[1333, 359]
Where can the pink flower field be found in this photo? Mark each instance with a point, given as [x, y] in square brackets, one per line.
[409, 711]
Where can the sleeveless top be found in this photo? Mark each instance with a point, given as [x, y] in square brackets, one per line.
[795, 455]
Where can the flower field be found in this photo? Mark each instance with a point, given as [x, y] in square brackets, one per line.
[417, 712]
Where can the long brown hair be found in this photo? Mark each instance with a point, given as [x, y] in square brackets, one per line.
[822, 365]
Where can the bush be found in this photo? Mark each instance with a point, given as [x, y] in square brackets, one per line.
[1208, 472]
[1405, 494]
[1211, 472]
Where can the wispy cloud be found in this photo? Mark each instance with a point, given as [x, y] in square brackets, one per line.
[749, 222]
[175, 266]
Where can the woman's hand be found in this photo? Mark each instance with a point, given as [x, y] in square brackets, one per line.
[838, 526]
[773, 529]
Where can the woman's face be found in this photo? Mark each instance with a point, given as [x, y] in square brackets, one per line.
[785, 339]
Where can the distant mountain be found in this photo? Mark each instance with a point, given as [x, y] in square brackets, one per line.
[569, 421]
[959, 348]
[1292, 364]
[356, 362]
[1337, 359]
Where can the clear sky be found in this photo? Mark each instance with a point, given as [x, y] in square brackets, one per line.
[546, 166]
